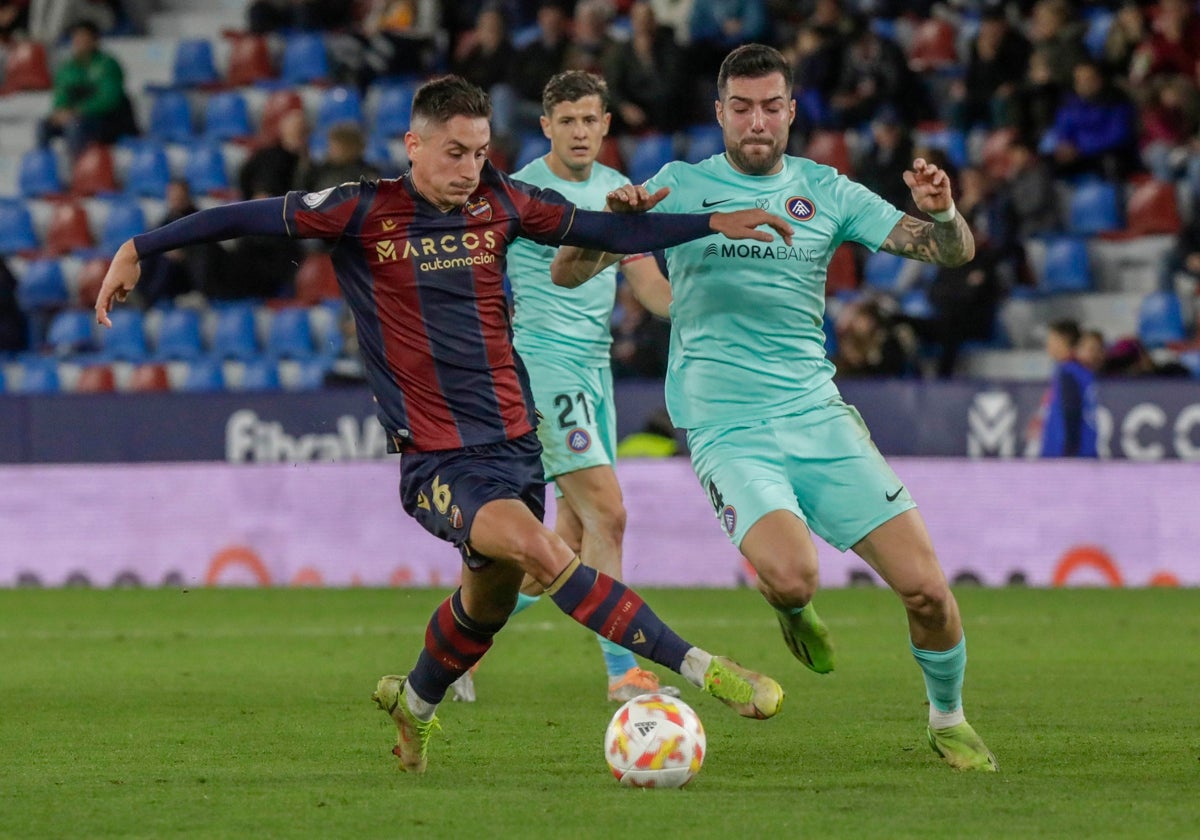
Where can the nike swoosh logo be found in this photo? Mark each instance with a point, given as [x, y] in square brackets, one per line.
[891, 497]
[707, 203]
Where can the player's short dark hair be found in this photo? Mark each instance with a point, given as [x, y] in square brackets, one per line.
[440, 100]
[571, 86]
[753, 61]
[85, 26]
[1068, 328]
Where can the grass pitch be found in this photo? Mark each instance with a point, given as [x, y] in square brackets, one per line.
[245, 713]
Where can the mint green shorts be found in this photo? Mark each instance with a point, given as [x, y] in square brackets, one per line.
[820, 464]
[578, 428]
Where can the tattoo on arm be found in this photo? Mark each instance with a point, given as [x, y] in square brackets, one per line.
[948, 244]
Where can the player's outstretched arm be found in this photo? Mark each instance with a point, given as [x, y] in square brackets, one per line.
[947, 241]
[573, 266]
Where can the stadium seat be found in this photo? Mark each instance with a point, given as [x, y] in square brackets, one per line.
[915, 304]
[89, 279]
[125, 219]
[290, 334]
[43, 285]
[39, 376]
[179, 335]
[315, 280]
[812, 106]
[234, 332]
[393, 109]
[703, 141]
[339, 104]
[650, 154]
[205, 169]
[1160, 319]
[226, 117]
[249, 59]
[26, 68]
[883, 271]
[1094, 208]
[830, 330]
[952, 141]
[171, 117]
[379, 154]
[842, 273]
[1066, 268]
[1153, 208]
[126, 338]
[194, 65]
[149, 378]
[93, 173]
[68, 229]
[149, 170]
[311, 375]
[38, 175]
[533, 146]
[96, 379]
[1190, 359]
[829, 148]
[932, 46]
[71, 331]
[203, 375]
[278, 104]
[260, 375]
[304, 59]
[16, 228]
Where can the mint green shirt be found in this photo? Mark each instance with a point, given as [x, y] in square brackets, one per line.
[550, 319]
[746, 318]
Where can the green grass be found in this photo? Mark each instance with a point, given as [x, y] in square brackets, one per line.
[245, 713]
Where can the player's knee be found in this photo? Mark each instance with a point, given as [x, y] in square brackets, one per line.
[928, 602]
[793, 585]
[541, 554]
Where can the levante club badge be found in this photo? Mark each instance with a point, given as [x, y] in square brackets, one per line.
[480, 208]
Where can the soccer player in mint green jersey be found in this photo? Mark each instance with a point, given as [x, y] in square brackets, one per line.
[564, 338]
[778, 452]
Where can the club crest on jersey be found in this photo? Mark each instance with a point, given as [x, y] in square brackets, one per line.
[480, 208]
[729, 519]
[800, 208]
[315, 199]
[579, 441]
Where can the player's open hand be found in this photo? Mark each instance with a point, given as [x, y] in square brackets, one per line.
[745, 224]
[930, 186]
[633, 198]
[123, 274]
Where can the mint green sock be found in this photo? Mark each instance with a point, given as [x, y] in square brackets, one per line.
[617, 660]
[524, 602]
[943, 670]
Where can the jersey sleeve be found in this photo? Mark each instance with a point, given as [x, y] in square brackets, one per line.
[666, 177]
[866, 217]
[321, 215]
[545, 215]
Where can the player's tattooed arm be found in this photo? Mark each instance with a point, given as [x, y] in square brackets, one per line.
[941, 243]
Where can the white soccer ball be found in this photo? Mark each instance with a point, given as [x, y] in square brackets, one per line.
[655, 741]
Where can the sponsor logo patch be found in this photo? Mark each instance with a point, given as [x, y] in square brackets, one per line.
[480, 208]
[800, 208]
[578, 440]
[315, 199]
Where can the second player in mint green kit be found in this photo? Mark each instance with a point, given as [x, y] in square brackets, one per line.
[776, 449]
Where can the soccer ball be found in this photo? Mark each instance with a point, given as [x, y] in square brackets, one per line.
[655, 741]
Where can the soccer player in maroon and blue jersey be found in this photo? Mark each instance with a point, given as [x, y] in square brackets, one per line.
[420, 261]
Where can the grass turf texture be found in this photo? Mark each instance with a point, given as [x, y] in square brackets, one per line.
[238, 713]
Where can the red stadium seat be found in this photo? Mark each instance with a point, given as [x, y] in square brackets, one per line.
[93, 173]
[249, 59]
[315, 280]
[26, 68]
[68, 230]
[842, 274]
[1153, 209]
[149, 377]
[91, 276]
[96, 379]
[829, 148]
[610, 154]
[932, 46]
[278, 104]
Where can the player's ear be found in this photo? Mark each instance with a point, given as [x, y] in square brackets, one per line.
[605, 122]
[791, 110]
[545, 121]
[412, 143]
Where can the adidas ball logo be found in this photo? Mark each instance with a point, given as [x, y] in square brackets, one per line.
[645, 727]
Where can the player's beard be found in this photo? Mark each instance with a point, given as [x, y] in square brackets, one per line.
[766, 152]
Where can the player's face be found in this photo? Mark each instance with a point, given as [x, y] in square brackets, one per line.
[447, 158]
[576, 130]
[755, 115]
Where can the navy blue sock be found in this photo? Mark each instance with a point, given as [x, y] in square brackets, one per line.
[453, 643]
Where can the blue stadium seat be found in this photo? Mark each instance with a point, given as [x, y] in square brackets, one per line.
[226, 117]
[1190, 359]
[533, 146]
[149, 170]
[1160, 319]
[71, 331]
[339, 104]
[203, 376]
[171, 117]
[1066, 268]
[42, 285]
[260, 374]
[883, 271]
[16, 228]
[915, 304]
[304, 59]
[312, 375]
[379, 154]
[194, 65]
[811, 103]
[290, 335]
[205, 169]
[38, 175]
[952, 141]
[649, 155]
[125, 219]
[393, 110]
[234, 335]
[125, 340]
[39, 376]
[704, 141]
[3, 382]
[179, 336]
[1095, 207]
[830, 330]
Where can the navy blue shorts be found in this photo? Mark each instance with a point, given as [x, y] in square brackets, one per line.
[444, 490]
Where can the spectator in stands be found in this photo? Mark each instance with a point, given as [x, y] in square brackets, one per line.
[1091, 350]
[89, 105]
[1173, 47]
[816, 59]
[1183, 260]
[1069, 407]
[870, 343]
[395, 38]
[14, 18]
[640, 340]
[263, 16]
[875, 73]
[535, 63]
[1125, 35]
[646, 75]
[1129, 357]
[1095, 127]
[1032, 108]
[1054, 30]
[888, 153]
[590, 42]
[483, 55]
[1030, 189]
[272, 170]
[1169, 121]
[717, 26]
[344, 162]
[175, 273]
[995, 68]
[14, 326]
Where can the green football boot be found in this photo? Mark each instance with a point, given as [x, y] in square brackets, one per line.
[961, 748]
[807, 638]
[412, 742]
[750, 694]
